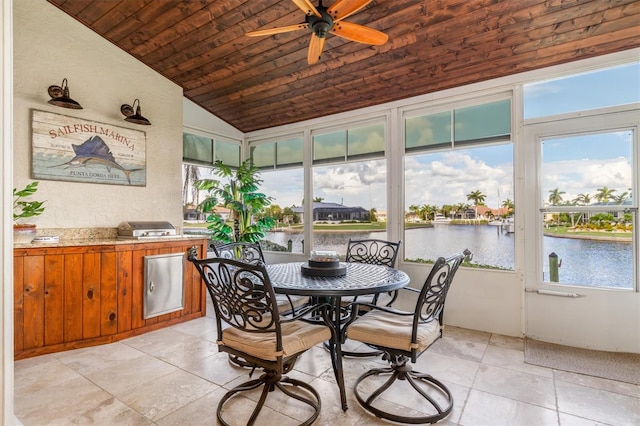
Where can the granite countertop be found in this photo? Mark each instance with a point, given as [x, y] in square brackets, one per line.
[105, 241]
[95, 237]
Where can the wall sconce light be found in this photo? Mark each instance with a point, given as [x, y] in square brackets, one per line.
[60, 96]
[137, 118]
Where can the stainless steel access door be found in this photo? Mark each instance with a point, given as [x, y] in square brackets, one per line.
[163, 284]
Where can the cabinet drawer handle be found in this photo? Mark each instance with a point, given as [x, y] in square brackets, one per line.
[90, 294]
[151, 286]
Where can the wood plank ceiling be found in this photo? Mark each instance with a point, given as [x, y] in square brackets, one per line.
[259, 82]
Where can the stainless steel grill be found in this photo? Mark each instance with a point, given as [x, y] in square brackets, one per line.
[146, 230]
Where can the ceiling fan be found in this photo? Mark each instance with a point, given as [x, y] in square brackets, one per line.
[323, 20]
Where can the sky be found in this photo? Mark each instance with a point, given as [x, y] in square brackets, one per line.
[577, 165]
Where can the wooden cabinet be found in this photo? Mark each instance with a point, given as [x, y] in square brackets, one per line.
[76, 296]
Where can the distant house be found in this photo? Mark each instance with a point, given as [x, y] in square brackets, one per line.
[192, 214]
[334, 212]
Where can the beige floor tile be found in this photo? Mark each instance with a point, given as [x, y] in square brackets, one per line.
[464, 349]
[486, 409]
[119, 379]
[159, 397]
[598, 383]
[509, 342]
[200, 412]
[96, 358]
[513, 359]
[516, 385]
[449, 368]
[29, 376]
[599, 405]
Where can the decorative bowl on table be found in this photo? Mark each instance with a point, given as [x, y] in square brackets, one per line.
[324, 264]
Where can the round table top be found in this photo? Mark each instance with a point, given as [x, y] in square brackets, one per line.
[361, 278]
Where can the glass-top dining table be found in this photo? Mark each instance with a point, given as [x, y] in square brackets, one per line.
[359, 279]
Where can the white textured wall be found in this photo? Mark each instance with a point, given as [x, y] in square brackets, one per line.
[49, 46]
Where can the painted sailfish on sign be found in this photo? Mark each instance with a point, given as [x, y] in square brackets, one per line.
[95, 151]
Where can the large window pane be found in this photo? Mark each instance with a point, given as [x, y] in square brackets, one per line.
[286, 187]
[602, 88]
[588, 209]
[459, 199]
[350, 201]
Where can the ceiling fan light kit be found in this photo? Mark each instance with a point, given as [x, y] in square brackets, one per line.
[323, 20]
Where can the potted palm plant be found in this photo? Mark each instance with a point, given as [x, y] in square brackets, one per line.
[240, 195]
[24, 233]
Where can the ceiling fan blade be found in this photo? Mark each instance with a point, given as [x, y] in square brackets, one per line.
[278, 30]
[343, 8]
[359, 33]
[315, 49]
[307, 7]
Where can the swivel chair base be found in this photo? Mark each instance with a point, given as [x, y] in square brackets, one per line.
[418, 381]
[270, 382]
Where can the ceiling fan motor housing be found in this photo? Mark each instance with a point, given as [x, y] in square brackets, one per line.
[322, 25]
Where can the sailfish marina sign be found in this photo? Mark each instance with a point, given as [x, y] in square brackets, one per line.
[72, 149]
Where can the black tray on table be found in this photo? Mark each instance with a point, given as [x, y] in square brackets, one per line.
[323, 269]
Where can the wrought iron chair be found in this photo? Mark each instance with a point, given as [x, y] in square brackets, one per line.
[373, 252]
[250, 327]
[252, 253]
[403, 337]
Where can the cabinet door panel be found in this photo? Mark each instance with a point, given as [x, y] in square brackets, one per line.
[91, 295]
[18, 304]
[125, 296]
[53, 299]
[108, 295]
[72, 297]
[34, 301]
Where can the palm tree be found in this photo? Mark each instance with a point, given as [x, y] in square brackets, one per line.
[620, 198]
[240, 195]
[555, 196]
[191, 175]
[508, 204]
[584, 199]
[604, 194]
[478, 200]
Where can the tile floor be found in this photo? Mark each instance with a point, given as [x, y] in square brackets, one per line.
[176, 376]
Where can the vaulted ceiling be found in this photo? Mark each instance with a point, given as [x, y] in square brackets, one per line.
[259, 82]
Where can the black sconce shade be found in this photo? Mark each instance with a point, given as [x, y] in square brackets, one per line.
[127, 111]
[60, 96]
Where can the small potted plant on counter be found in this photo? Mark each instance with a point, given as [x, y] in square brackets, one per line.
[25, 233]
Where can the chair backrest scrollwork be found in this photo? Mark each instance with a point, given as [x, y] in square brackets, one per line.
[430, 304]
[245, 252]
[373, 251]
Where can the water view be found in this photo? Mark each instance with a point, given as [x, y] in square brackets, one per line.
[585, 262]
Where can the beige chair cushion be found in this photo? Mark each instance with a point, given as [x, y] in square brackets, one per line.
[284, 304]
[297, 336]
[392, 331]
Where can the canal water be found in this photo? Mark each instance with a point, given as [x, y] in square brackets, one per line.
[584, 262]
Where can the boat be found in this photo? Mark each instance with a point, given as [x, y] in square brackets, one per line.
[440, 219]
